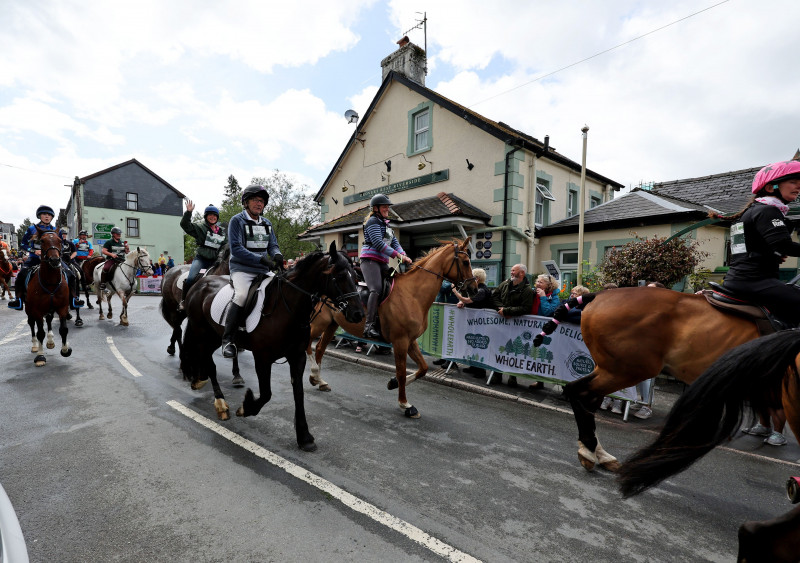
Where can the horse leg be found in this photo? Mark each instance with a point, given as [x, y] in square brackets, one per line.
[63, 330]
[316, 360]
[40, 360]
[78, 319]
[400, 348]
[174, 337]
[238, 380]
[36, 344]
[100, 297]
[252, 406]
[51, 343]
[86, 292]
[297, 365]
[422, 366]
[584, 404]
[123, 316]
[220, 404]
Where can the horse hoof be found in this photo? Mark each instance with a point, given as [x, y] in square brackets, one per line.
[123, 323]
[238, 381]
[66, 353]
[587, 464]
[240, 411]
[171, 350]
[224, 415]
[412, 412]
[612, 466]
[51, 345]
[392, 384]
[108, 316]
[39, 361]
[310, 447]
[325, 387]
[89, 305]
[196, 385]
[79, 322]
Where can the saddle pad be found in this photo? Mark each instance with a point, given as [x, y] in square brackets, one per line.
[181, 279]
[219, 307]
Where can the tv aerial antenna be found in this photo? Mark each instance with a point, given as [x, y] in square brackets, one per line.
[422, 24]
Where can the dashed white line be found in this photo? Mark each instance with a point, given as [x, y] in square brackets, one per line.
[125, 363]
[14, 333]
[410, 531]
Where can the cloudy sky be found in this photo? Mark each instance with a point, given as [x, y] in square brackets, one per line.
[197, 90]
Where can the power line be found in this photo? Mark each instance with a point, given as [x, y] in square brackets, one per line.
[35, 171]
[600, 53]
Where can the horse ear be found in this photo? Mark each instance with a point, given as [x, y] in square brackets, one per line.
[332, 249]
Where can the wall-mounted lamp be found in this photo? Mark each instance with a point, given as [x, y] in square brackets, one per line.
[470, 166]
[335, 200]
[384, 177]
[344, 186]
[388, 164]
[422, 161]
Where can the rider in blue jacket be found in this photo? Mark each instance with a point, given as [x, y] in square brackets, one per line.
[31, 244]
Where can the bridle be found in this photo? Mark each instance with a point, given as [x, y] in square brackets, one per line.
[141, 264]
[459, 284]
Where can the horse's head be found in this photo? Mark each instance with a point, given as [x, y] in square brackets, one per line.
[342, 285]
[50, 247]
[142, 261]
[456, 265]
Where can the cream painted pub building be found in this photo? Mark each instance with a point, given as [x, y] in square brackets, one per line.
[450, 172]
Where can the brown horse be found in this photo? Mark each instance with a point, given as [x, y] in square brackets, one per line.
[47, 293]
[404, 314]
[5, 273]
[635, 333]
[282, 330]
[87, 271]
[753, 377]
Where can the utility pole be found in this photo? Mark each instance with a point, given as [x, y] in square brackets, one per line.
[582, 197]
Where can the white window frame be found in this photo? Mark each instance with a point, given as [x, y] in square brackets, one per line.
[129, 201]
[567, 266]
[421, 132]
[542, 194]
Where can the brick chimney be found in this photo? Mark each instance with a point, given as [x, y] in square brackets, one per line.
[409, 60]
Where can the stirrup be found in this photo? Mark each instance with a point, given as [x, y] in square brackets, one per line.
[77, 303]
[229, 350]
[16, 304]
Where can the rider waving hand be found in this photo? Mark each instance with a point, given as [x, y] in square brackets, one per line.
[209, 237]
[761, 241]
[379, 245]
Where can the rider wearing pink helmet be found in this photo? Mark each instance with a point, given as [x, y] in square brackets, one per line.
[761, 241]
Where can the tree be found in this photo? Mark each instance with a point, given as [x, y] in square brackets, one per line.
[653, 260]
[189, 243]
[22, 228]
[61, 221]
[232, 202]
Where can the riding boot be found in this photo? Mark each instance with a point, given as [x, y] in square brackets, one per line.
[231, 326]
[372, 310]
[19, 292]
[77, 302]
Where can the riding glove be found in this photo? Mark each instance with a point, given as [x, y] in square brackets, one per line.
[279, 261]
[265, 260]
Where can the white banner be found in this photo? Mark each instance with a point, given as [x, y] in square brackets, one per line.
[484, 338]
[150, 284]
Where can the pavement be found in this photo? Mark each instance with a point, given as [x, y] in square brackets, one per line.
[667, 391]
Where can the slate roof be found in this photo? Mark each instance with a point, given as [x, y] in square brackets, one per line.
[727, 193]
[440, 206]
[634, 209]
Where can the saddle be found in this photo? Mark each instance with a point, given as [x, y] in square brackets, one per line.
[252, 310]
[108, 271]
[727, 301]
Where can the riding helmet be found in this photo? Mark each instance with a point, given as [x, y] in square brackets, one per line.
[254, 190]
[62, 231]
[116, 231]
[83, 232]
[776, 173]
[379, 199]
[44, 209]
[211, 210]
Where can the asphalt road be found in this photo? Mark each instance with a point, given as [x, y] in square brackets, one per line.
[109, 456]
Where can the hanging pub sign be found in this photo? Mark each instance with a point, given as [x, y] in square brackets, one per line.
[410, 184]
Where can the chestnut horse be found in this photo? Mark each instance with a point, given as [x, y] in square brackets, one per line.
[753, 377]
[47, 293]
[635, 333]
[282, 330]
[5, 273]
[404, 314]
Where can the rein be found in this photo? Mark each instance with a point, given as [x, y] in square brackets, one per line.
[459, 285]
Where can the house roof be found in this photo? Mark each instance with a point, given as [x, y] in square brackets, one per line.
[636, 208]
[497, 129]
[442, 206]
[126, 163]
[727, 192]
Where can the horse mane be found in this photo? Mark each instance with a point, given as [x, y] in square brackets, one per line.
[223, 256]
[428, 256]
[305, 265]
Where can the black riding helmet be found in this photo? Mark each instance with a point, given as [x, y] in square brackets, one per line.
[83, 232]
[254, 190]
[116, 231]
[379, 199]
[44, 209]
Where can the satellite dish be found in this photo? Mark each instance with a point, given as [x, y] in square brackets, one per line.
[351, 116]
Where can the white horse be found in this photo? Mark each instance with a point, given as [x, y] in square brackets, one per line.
[123, 282]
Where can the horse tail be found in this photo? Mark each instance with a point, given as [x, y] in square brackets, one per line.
[561, 313]
[711, 410]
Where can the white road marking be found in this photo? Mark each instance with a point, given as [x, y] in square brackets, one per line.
[125, 363]
[410, 531]
[14, 333]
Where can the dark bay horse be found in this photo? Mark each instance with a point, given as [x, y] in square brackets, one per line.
[87, 269]
[404, 314]
[751, 378]
[282, 331]
[5, 273]
[635, 333]
[47, 294]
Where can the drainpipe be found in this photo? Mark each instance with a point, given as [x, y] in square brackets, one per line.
[514, 149]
